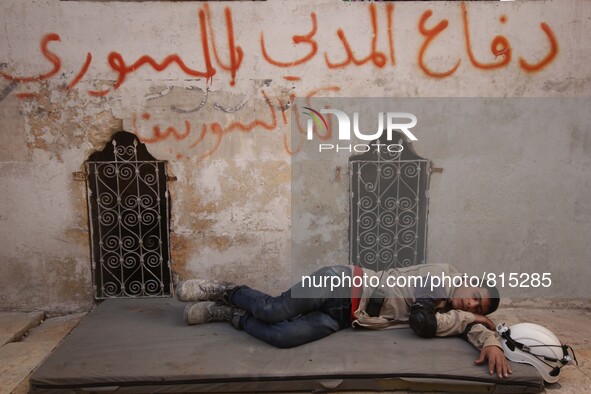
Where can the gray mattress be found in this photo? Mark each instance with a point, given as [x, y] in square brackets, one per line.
[144, 346]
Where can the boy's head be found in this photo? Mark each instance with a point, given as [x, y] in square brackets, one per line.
[479, 300]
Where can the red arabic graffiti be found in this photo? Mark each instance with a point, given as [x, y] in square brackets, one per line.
[82, 71]
[236, 52]
[549, 57]
[52, 57]
[499, 47]
[159, 135]
[117, 63]
[214, 128]
[376, 57]
[151, 132]
[297, 39]
[431, 34]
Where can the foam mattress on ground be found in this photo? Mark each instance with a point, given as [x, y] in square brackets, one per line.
[143, 345]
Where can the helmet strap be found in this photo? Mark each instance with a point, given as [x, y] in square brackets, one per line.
[566, 358]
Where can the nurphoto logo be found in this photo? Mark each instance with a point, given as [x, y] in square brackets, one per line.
[402, 121]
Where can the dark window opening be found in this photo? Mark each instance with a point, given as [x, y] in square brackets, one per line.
[129, 210]
[388, 207]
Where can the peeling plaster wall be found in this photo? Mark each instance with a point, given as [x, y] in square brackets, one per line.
[69, 82]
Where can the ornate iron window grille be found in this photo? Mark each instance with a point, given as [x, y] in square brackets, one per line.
[388, 207]
[129, 210]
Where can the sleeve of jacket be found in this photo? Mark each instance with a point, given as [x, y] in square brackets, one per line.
[453, 322]
[480, 336]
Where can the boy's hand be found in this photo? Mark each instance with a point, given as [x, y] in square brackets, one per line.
[496, 361]
[485, 321]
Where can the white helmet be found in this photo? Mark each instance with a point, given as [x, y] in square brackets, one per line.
[536, 345]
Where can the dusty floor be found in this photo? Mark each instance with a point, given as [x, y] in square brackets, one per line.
[26, 339]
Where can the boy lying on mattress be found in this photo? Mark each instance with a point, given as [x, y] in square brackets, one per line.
[426, 297]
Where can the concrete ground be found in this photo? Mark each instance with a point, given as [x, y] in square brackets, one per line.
[26, 340]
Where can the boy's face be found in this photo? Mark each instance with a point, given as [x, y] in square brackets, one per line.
[471, 299]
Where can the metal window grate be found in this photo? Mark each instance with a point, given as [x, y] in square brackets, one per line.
[388, 207]
[129, 221]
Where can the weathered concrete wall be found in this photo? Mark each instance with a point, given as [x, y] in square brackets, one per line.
[207, 87]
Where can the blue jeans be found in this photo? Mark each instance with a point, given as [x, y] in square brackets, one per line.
[286, 321]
